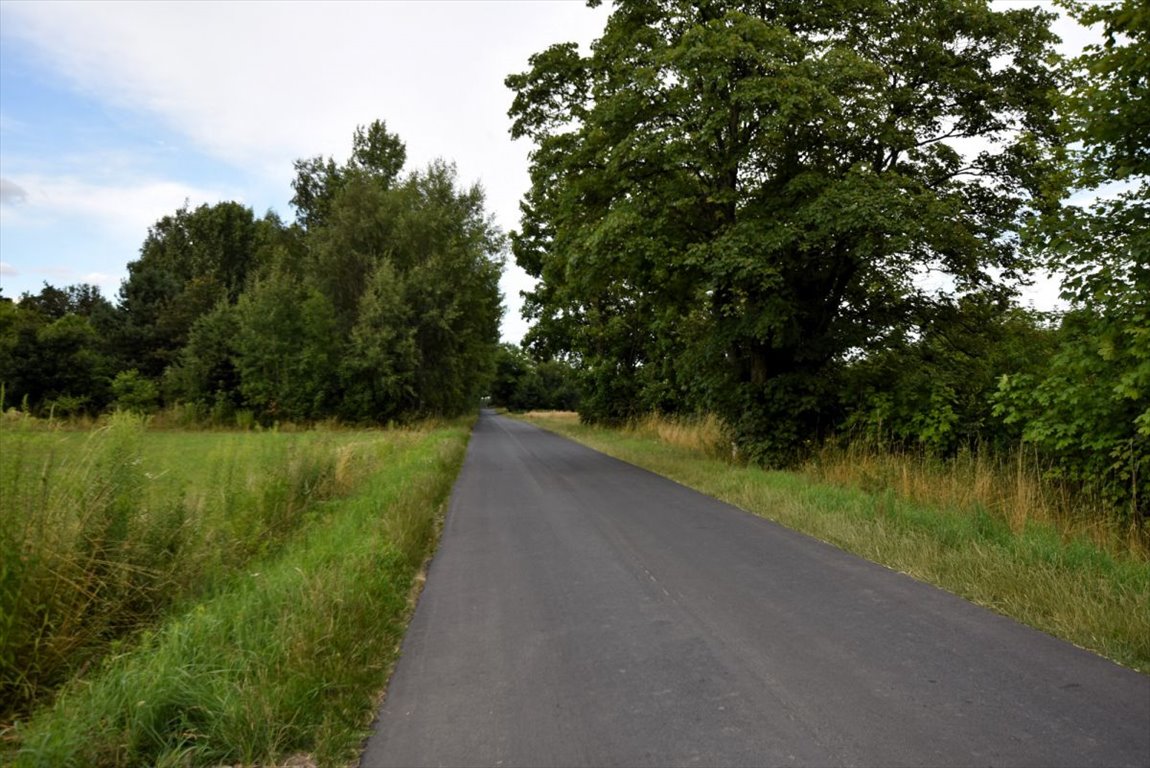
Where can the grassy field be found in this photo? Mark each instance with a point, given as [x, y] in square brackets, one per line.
[991, 533]
[207, 598]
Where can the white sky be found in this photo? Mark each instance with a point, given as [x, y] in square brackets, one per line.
[112, 114]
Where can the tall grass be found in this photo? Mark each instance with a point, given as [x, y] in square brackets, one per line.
[104, 531]
[290, 658]
[991, 531]
[1011, 487]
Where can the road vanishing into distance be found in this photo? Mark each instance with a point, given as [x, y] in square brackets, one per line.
[583, 612]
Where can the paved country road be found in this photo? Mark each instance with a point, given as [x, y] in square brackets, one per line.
[584, 612]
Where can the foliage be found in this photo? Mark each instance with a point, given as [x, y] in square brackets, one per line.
[738, 194]
[133, 392]
[1090, 410]
[54, 349]
[936, 390]
[378, 370]
[409, 266]
[189, 261]
[286, 348]
[523, 384]
[381, 303]
[205, 372]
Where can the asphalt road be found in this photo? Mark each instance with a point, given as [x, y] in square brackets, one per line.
[581, 611]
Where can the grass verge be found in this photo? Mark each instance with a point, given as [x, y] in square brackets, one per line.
[288, 655]
[1062, 582]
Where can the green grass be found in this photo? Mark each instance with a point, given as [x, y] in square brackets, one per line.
[279, 617]
[1095, 595]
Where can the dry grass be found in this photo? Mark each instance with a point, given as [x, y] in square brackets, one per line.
[704, 434]
[558, 417]
[1011, 488]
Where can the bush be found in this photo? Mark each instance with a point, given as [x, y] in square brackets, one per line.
[133, 392]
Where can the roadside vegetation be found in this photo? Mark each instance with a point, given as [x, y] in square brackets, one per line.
[997, 534]
[174, 597]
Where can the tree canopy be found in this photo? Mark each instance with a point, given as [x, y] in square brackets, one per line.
[728, 198]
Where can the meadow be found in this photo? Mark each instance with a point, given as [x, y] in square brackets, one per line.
[993, 531]
[174, 597]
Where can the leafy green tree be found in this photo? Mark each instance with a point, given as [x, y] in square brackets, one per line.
[376, 153]
[189, 261]
[741, 193]
[205, 371]
[54, 349]
[512, 366]
[410, 265]
[316, 181]
[379, 368]
[10, 321]
[381, 302]
[936, 390]
[18, 355]
[1090, 411]
[521, 384]
[559, 386]
[70, 367]
[343, 252]
[133, 392]
[81, 299]
[286, 349]
[451, 252]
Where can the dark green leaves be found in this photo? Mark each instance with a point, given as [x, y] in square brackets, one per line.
[741, 193]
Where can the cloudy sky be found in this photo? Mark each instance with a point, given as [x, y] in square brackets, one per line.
[113, 114]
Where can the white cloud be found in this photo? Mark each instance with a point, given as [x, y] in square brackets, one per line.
[72, 230]
[62, 276]
[261, 84]
[8, 269]
[128, 208]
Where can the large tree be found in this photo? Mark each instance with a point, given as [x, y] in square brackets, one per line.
[729, 197]
[409, 264]
[189, 261]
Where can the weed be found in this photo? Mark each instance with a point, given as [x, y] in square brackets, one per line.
[288, 653]
[104, 531]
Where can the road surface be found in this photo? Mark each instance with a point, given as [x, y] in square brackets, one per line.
[583, 612]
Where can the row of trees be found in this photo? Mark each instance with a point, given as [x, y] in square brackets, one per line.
[813, 217]
[380, 302]
[523, 383]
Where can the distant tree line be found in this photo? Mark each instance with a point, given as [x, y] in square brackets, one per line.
[524, 383]
[812, 219]
[380, 302]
